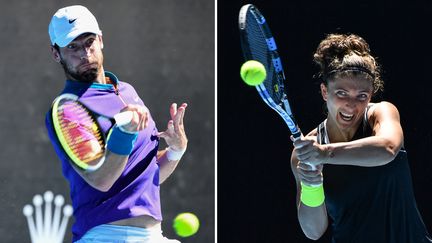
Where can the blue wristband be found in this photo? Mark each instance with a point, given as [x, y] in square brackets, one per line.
[121, 142]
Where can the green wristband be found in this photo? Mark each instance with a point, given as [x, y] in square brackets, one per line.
[312, 196]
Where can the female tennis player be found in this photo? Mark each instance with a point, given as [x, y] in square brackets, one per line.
[362, 178]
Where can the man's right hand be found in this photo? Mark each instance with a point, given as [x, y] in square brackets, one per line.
[139, 119]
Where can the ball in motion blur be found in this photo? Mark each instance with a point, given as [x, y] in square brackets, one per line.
[253, 72]
[186, 224]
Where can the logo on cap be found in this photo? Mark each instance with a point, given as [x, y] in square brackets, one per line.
[71, 21]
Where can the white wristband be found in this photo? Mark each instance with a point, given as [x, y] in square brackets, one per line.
[173, 155]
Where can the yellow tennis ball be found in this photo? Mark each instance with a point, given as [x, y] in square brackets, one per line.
[253, 72]
[186, 224]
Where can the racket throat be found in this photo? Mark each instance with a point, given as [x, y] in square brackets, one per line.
[297, 133]
[286, 105]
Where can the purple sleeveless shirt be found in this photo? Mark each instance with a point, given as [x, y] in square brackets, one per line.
[136, 192]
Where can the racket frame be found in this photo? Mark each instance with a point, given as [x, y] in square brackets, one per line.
[283, 108]
[62, 140]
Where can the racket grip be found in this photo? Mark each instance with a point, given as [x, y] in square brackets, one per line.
[297, 136]
[123, 118]
[312, 166]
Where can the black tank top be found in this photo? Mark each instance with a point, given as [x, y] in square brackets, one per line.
[372, 204]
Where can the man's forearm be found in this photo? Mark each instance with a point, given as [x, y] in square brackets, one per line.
[103, 178]
[166, 166]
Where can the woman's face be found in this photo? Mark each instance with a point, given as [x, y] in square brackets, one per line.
[347, 99]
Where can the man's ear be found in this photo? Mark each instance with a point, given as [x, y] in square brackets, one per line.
[324, 91]
[55, 54]
[101, 41]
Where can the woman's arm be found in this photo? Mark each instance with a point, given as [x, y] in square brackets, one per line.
[376, 150]
[313, 220]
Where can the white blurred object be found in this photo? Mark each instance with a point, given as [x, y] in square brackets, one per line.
[49, 228]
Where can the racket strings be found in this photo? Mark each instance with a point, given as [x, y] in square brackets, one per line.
[83, 136]
[259, 38]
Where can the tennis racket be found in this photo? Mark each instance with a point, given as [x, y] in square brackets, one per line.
[79, 132]
[258, 44]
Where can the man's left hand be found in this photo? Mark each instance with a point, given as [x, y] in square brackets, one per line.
[175, 135]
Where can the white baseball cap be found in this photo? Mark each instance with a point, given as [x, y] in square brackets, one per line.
[70, 22]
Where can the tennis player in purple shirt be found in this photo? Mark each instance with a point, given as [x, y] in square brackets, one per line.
[120, 201]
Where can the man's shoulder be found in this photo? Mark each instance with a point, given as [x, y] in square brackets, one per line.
[126, 84]
[126, 87]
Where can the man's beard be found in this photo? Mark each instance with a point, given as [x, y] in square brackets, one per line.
[88, 76]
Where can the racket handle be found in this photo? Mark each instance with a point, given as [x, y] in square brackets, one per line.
[297, 136]
[312, 166]
[123, 118]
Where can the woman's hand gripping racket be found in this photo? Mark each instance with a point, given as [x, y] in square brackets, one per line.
[79, 133]
[258, 44]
